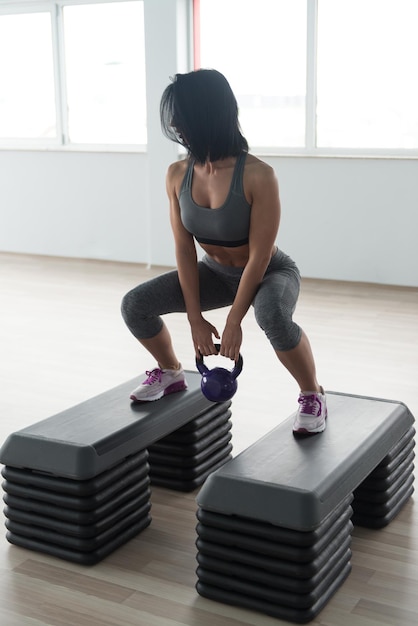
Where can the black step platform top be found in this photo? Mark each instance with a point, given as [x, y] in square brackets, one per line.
[295, 483]
[93, 436]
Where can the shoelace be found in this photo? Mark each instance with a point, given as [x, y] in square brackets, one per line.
[154, 376]
[310, 405]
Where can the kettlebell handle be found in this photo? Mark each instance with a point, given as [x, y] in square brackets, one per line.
[204, 370]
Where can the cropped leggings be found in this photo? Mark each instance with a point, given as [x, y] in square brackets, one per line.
[274, 302]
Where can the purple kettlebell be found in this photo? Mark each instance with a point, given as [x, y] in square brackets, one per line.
[219, 384]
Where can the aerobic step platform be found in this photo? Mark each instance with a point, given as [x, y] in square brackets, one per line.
[78, 485]
[274, 524]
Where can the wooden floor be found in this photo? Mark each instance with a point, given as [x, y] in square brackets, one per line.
[62, 341]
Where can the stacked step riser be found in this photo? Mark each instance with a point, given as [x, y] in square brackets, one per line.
[285, 573]
[256, 546]
[77, 484]
[80, 521]
[85, 520]
[384, 492]
[184, 459]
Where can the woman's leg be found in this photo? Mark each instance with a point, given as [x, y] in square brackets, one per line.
[161, 348]
[274, 305]
[142, 308]
[299, 361]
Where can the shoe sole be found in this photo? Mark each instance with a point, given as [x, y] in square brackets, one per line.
[304, 432]
[179, 386]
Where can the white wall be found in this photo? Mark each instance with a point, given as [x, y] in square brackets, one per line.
[343, 218]
[74, 204]
[351, 219]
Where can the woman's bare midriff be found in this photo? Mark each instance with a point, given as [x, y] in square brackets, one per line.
[232, 257]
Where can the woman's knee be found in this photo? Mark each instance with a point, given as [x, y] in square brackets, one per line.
[288, 340]
[273, 310]
[141, 321]
[129, 305]
[280, 329]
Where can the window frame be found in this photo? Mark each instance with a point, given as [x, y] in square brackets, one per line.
[310, 149]
[62, 141]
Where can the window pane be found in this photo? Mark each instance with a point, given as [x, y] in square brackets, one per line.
[105, 71]
[367, 76]
[27, 97]
[260, 46]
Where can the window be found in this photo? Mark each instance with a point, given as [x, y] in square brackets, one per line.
[265, 65]
[105, 72]
[27, 96]
[73, 73]
[317, 76]
[367, 86]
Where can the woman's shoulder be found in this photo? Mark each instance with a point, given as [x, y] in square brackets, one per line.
[258, 169]
[178, 168]
[175, 173]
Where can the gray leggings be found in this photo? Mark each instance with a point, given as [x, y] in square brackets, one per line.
[274, 302]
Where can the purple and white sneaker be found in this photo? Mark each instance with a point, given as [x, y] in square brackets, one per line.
[312, 413]
[159, 383]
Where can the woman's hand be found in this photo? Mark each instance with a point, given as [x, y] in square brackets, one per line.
[231, 341]
[202, 335]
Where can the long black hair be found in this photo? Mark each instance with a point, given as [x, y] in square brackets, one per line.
[199, 111]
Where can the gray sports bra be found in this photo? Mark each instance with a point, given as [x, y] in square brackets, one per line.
[227, 226]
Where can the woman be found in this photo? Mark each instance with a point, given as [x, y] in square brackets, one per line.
[228, 201]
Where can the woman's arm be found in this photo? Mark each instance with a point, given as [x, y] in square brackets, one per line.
[265, 219]
[186, 258]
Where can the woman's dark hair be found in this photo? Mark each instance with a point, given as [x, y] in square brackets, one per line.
[199, 111]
